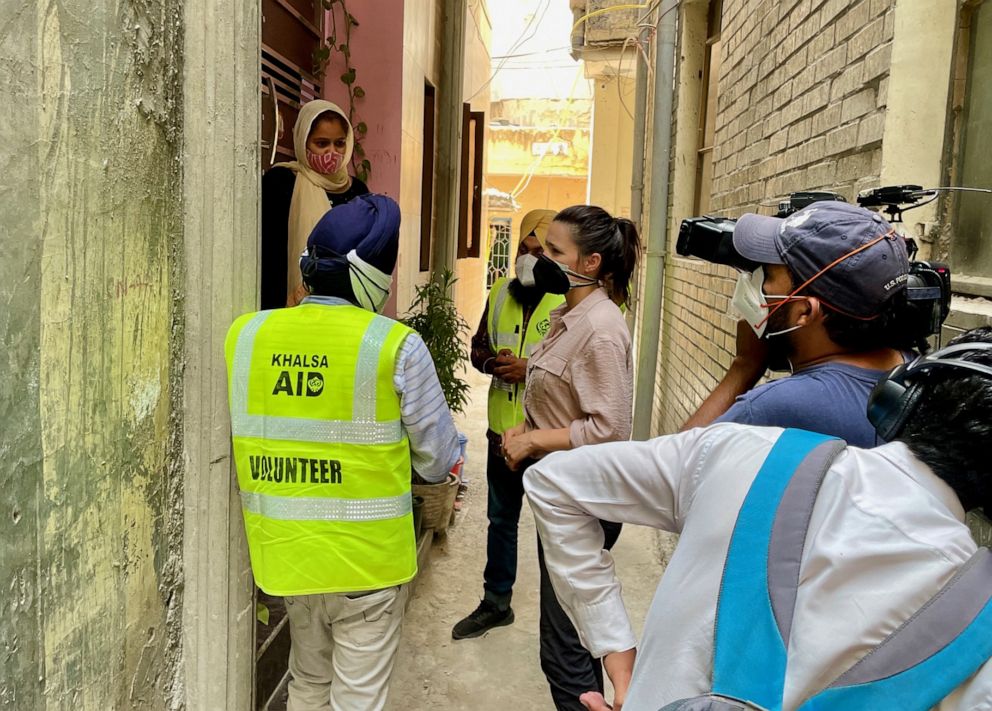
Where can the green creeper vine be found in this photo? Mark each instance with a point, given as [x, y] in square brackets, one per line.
[339, 40]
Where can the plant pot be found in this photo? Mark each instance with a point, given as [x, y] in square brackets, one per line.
[439, 502]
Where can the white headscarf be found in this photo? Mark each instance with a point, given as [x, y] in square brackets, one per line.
[310, 201]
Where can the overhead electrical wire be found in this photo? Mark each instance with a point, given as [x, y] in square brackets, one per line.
[523, 39]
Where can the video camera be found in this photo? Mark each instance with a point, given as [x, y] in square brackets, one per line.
[711, 238]
[805, 198]
[928, 288]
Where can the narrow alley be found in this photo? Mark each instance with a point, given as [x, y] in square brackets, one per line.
[262, 263]
[501, 669]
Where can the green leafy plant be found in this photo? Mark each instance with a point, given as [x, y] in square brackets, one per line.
[339, 41]
[433, 315]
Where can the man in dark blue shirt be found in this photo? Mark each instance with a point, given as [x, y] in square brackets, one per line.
[823, 306]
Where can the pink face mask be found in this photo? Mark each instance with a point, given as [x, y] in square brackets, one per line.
[326, 163]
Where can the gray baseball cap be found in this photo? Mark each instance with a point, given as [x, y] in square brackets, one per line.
[822, 233]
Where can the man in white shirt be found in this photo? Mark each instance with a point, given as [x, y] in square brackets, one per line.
[886, 533]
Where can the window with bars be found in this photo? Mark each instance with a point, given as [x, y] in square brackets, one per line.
[499, 249]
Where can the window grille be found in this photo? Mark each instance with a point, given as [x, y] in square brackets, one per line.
[499, 249]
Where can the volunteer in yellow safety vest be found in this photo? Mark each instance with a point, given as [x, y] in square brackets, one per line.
[332, 405]
[515, 320]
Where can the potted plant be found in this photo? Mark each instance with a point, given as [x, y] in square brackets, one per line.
[433, 315]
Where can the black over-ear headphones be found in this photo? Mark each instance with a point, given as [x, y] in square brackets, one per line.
[896, 396]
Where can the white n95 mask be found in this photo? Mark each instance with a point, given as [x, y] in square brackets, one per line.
[751, 303]
[370, 286]
[524, 269]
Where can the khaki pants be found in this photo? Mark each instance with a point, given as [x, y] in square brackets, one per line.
[343, 649]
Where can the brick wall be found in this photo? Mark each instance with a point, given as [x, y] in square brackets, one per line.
[801, 105]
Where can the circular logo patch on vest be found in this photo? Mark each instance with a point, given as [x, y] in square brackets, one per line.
[315, 384]
[544, 326]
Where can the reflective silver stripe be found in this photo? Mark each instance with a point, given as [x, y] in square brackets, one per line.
[241, 371]
[293, 508]
[507, 339]
[500, 300]
[367, 371]
[362, 429]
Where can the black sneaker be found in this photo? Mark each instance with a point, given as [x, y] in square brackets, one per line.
[485, 617]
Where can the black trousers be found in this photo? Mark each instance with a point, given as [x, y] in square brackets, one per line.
[506, 496]
[569, 668]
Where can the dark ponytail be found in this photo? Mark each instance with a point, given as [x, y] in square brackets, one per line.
[594, 230]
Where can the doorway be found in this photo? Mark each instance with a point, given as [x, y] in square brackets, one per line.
[292, 33]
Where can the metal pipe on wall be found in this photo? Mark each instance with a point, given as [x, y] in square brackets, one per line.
[450, 93]
[637, 170]
[640, 131]
[654, 257]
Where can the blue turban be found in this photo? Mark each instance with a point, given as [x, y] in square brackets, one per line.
[360, 239]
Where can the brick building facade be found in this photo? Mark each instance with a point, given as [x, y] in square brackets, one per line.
[773, 97]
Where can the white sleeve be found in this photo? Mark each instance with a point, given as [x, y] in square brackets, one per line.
[647, 483]
[434, 447]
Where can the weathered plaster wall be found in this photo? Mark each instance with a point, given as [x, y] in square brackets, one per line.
[612, 148]
[90, 496]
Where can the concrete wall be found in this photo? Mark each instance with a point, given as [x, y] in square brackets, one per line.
[421, 63]
[395, 49]
[91, 502]
[612, 143]
[549, 192]
[471, 288]
[377, 47]
[377, 50]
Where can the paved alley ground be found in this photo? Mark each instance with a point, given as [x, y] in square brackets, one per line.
[501, 669]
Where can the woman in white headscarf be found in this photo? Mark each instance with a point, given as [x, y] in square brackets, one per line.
[296, 194]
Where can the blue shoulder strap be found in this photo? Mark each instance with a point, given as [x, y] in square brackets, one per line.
[919, 664]
[929, 656]
[749, 658]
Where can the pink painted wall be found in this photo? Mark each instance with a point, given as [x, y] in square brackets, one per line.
[377, 56]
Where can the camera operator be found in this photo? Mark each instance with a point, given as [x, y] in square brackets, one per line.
[804, 568]
[822, 302]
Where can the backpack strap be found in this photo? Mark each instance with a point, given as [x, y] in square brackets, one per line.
[929, 656]
[761, 573]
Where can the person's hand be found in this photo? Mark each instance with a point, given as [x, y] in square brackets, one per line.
[594, 701]
[752, 352]
[510, 369]
[513, 432]
[518, 449]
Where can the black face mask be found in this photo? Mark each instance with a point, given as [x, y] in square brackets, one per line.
[544, 274]
[529, 296]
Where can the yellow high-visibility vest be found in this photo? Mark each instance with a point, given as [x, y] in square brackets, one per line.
[322, 458]
[505, 323]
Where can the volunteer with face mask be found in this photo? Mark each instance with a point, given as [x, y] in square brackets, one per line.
[579, 391]
[822, 305]
[516, 318]
[332, 405]
[295, 195]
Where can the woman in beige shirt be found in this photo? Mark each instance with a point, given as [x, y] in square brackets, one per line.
[579, 391]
